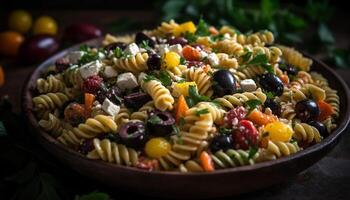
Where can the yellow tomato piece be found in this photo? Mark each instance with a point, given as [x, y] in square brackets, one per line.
[278, 131]
[171, 60]
[157, 147]
[20, 20]
[185, 27]
[182, 88]
[45, 25]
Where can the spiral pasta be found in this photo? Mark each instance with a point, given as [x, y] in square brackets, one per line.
[232, 158]
[295, 58]
[113, 153]
[282, 148]
[229, 47]
[142, 113]
[306, 133]
[165, 28]
[122, 117]
[202, 80]
[191, 166]
[50, 101]
[95, 126]
[238, 99]
[52, 124]
[226, 62]
[50, 84]
[72, 77]
[160, 95]
[135, 64]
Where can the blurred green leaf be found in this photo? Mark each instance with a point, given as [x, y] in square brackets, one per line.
[172, 8]
[325, 34]
[93, 196]
[340, 57]
[268, 8]
[319, 11]
[3, 131]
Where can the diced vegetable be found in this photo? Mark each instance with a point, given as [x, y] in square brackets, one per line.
[278, 131]
[191, 54]
[181, 108]
[326, 110]
[187, 27]
[260, 118]
[206, 161]
[182, 88]
[89, 100]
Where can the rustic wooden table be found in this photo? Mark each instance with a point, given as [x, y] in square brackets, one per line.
[328, 179]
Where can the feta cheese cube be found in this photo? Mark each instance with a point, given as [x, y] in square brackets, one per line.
[177, 48]
[127, 81]
[74, 56]
[203, 54]
[141, 76]
[163, 49]
[90, 69]
[110, 108]
[110, 72]
[227, 36]
[132, 49]
[248, 85]
[213, 59]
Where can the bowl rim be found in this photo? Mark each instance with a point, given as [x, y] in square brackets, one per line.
[26, 103]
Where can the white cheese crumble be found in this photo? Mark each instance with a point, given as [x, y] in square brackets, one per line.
[213, 59]
[90, 69]
[110, 108]
[127, 81]
[132, 49]
[248, 85]
[109, 72]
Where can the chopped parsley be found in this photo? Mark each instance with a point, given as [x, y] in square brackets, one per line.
[182, 61]
[202, 111]
[190, 37]
[252, 104]
[252, 151]
[225, 131]
[165, 78]
[202, 28]
[182, 121]
[145, 44]
[195, 96]
[247, 55]
[270, 95]
[154, 119]
[149, 78]
[217, 37]
[259, 59]
[176, 130]
[118, 52]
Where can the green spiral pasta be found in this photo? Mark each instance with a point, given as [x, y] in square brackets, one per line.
[191, 166]
[232, 158]
[113, 153]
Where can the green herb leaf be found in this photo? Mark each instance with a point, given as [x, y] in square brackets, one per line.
[3, 131]
[252, 151]
[252, 104]
[202, 111]
[88, 57]
[225, 131]
[247, 55]
[149, 78]
[84, 48]
[144, 44]
[118, 52]
[190, 37]
[325, 34]
[182, 121]
[202, 28]
[195, 96]
[165, 78]
[259, 59]
[270, 95]
[189, 101]
[93, 196]
[268, 68]
[154, 119]
[182, 61]
[218, 37]
[176, 130]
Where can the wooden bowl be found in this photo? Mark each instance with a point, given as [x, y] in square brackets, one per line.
[219, 183]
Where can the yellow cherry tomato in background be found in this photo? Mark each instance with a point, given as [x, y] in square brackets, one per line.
[10, 42]
[2, 76]
[279, 131]
[20, 20]
[45, 25]
[157, 147]
[185, 27]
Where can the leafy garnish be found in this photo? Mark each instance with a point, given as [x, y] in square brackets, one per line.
[268, 67]
[189, 101]
[259, 59]
[224, 130]
[252, 104]
[202, 111]
[165, 78]
[145, 44]
[176, 130]
[270, 95]
[88, 57]
[182, 121]
[217, 37]
[247, 55]
[154, 119]
[190, 37]
[202, 28]
[182, 61]
[118, 52]
[195, 96]
[252, 151]
[84, 48]
[149, 78]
